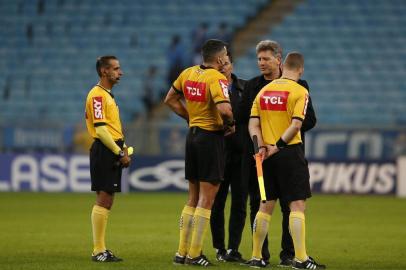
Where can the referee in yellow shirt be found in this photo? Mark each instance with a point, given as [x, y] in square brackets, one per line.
[200, 96]
[108, 153]
[276, 118]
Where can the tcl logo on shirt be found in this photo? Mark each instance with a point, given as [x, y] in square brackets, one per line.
[224, 87]
[274, 100]
[98, 107]
[195, 91]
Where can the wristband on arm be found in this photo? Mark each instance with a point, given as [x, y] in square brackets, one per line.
[230, 123]
[281, 144]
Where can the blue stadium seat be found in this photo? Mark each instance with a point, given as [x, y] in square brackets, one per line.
[354, 58]
[60, 61]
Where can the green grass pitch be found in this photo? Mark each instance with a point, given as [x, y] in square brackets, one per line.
[52, 231]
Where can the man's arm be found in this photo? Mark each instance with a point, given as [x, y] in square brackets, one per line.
[106, 138]
[173, 100]
[226, 114]
[289, 133]
[254, 128]
[310, 119]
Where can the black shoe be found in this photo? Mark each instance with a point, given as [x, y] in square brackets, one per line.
[256, 263]
[310, 263]
[179, 259]
[233, 256]
[220, 255]
[286, 262]
[106, 256]
[198, 261]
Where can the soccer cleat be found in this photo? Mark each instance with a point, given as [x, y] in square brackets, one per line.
[233, 256]
[106, 256]
[286, 262]
[179, 259]
[198, 261]
[310, 264]
[220, 255]
[256, 263]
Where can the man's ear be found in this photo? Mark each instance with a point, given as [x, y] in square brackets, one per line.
[220, 61]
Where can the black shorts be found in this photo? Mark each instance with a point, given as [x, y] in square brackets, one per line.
[104, 172]
[204, 159]
[286, 175]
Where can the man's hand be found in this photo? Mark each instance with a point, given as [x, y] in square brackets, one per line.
[228, 130]
[262, 152]
[125, 160]
[270, 150]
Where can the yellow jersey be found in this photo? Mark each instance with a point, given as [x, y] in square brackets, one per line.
[203, 88]
[101, 109]
[276, 105]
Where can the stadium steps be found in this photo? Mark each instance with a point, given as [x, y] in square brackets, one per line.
[270, 14]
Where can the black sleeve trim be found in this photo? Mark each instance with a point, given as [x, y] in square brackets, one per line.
[177, 91]
[298, 118]
[99, 124]
[223, 101]
[255, 117]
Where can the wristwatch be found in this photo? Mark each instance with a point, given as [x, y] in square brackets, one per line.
[121, 153]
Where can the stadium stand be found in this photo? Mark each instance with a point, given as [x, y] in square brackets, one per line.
[49, 48]
[355, 58]
[354, 50]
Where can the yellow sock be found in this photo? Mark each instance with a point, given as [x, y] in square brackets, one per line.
[99, 222]
[297, 230]
[185, 226]
[201, 221]
[260, 229]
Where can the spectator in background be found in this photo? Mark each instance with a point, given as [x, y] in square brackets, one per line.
[199, 36]
[175, 56]
[223, 33]
[82, 141]
[29, 33]
[148, 98]
[7, 88]
[27, 86]
[40, 7]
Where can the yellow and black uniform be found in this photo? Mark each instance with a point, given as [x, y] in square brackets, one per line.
[286, 173]
[102, 110]
[203, 88]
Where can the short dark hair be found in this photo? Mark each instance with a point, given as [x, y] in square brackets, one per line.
[294, 61]
[211, 48]
[104, 62]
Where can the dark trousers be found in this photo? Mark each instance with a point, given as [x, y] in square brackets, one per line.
[238, 212]
[288, 250]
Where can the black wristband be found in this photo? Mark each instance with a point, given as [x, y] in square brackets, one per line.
[281, 144]
[230, 123]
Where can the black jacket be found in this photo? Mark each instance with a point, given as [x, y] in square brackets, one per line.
[233, 142]
[243, 112]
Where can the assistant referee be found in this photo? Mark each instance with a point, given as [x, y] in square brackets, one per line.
[276, 119]
[108, 153]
